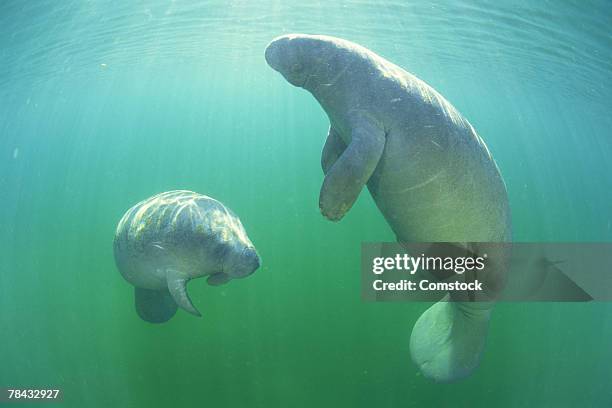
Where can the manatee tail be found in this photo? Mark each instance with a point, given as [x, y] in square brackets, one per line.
[448, 340]
[154, 306]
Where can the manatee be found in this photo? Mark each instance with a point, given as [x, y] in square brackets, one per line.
[430, 174]
[163, 242]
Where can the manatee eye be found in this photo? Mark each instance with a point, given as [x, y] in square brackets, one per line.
[296, 68]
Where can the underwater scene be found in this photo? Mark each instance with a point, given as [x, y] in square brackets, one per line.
[144, 144]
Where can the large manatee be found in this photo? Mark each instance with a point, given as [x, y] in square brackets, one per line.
[430, 174]
[165, 241]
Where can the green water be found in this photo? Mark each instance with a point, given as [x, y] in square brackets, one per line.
[104, 104]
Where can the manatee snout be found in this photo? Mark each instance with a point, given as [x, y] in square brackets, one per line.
[273, 55]
[244, 264]
[285, 55]
[281, 51]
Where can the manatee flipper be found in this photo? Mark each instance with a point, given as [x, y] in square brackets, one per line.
[178, 289]
[218, 279]
[448, 339]
[353, 169]
[333, 148]
[154, 306]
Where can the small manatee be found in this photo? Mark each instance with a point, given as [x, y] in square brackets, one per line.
[165, 241]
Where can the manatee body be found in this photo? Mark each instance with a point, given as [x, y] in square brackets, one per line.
[165, 241]
[430, 174]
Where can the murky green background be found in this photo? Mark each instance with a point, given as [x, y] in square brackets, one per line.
[104, 103]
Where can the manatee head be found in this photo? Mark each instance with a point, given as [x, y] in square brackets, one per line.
[240, 258]
[305, 60]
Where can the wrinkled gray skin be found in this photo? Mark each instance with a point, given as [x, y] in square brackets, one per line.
[165, 241]
[430, 174]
